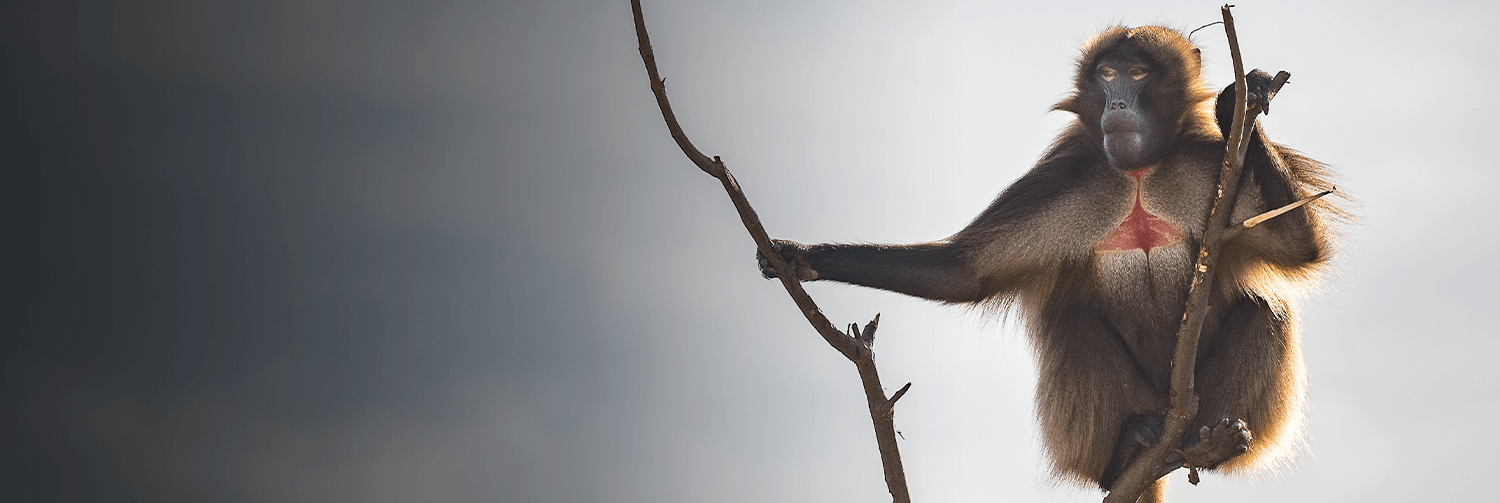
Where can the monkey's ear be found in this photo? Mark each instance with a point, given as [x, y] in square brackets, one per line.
[1198, 55]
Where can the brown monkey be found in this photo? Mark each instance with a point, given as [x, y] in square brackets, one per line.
[1095, 247]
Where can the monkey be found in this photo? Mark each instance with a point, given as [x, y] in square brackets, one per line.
[1094, 247]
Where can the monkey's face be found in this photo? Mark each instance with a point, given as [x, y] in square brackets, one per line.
[1132, 126]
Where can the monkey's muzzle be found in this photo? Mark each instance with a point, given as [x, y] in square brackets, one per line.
[1124, 138]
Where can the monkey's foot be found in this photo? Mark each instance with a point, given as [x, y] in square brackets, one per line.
[1230, 438]
[1139, 433]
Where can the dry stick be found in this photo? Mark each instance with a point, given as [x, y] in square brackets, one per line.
[1149, 465]
[856, 345]
[1251, 222]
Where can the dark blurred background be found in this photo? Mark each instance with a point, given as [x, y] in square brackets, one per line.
[446, 251]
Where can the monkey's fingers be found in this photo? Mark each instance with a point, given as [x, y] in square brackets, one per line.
[1214, 446]
[766, 269]
[790, 253]
[1259, 84]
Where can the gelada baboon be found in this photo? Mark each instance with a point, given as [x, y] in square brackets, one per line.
[1095, 246]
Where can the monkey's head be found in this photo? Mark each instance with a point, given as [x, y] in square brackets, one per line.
[1137, 90]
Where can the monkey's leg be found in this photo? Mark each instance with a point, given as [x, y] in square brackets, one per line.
[1089, 387]
[1250, 370]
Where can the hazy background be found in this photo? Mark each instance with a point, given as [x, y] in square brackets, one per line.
[446, 251]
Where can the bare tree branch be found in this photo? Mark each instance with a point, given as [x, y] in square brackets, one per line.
[856, 345]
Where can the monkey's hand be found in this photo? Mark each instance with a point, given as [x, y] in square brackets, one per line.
[1258, 90]
[1258, 98]
[1230, 438]
[794, 254]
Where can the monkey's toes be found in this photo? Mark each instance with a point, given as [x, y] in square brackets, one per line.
[1229, 438]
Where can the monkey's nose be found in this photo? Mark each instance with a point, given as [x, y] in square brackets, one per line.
[1117, 105]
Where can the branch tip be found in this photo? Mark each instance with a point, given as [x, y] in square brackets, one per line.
[890, 404]
[899, 393]
[869, 334]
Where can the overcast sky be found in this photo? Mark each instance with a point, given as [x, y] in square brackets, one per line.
[447, 251]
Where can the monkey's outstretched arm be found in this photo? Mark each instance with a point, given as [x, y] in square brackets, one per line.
[1038, 221]
[938, 271]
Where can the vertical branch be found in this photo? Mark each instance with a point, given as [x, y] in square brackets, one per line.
[1149, 465]
[856, 345]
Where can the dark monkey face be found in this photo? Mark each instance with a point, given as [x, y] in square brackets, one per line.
[1131, 140]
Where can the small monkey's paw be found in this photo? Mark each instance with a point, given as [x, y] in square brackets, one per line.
[1258, 90]
[793, 254]
[1229, 438]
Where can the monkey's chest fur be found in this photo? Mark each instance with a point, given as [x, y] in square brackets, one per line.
[1144, 258]
[1141, 230]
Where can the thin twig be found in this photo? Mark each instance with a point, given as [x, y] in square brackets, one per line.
[856, 346]
[1195, 30]
[1251, 222]
[1150, 464]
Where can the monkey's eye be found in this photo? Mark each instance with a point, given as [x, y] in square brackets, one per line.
[1107, 73]
[1138, 73]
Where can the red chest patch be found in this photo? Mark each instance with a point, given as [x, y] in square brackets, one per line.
[1140, 230]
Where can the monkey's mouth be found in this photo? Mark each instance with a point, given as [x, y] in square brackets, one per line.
[1121, 122]
[1124, 139]
[1125, 149]
[1113, 142]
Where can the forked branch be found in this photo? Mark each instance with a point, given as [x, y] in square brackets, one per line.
[856, 345]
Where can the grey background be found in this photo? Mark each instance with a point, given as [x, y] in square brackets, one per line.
[446, 251]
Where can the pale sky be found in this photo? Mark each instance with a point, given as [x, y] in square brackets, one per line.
[447, 251]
